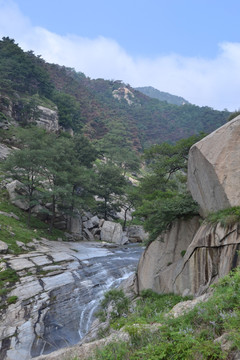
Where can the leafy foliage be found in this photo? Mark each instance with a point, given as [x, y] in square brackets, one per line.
[52, 169]
[13, 230]
[119, 304]
[162, 211]
[233, 115]
[163, 188]
[109, 183]
[22, 71]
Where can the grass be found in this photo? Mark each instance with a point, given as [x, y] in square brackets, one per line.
[12, 299]
[8, 275]
[8, 278]
[226, 217]
[191, 336]
[13, 230]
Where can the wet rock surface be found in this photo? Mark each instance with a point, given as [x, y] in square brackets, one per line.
[59, 288]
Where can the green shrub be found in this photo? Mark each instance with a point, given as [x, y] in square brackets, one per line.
[3, 291]
[8, 275]
[226, 217]
[12, 299]
[119, 302]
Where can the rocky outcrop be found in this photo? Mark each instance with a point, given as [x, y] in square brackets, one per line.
[211, 255]
[4, 151]
[48, 119]
[213, 168]
[157, 264]
[212, 252]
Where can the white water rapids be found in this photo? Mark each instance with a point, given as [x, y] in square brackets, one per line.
[72, 309]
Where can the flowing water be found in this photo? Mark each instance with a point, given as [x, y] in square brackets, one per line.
[72, 307]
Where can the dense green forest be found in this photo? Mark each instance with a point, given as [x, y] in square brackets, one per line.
[96, 107]
[118, 132]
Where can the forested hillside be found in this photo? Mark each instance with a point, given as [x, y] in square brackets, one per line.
[96, 107]
[162, 96]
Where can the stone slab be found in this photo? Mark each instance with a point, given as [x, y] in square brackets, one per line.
[20, 264]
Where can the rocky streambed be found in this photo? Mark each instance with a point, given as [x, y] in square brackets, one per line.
[59, 288]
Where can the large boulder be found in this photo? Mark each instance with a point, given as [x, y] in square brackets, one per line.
[213, 168]
[155, 268]
[136, 233]
[4, 151]
[112, 232]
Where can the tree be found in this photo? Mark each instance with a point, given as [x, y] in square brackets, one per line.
[68, 173]
[68, 110]
[166, 159]
[163, 189]
[118, 148]
[26, 164]
[109, 184]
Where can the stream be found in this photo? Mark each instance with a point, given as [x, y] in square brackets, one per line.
[73, 305]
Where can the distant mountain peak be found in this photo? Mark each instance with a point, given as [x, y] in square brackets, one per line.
[162, 96]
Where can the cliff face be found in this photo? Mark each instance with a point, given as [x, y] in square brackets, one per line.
[46, 118]
[157, 264]
[211, 250]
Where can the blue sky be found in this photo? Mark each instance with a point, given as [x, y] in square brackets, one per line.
[190, 48]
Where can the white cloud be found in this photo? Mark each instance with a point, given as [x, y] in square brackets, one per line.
[212, 82]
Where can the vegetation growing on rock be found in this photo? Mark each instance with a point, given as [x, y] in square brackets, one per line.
[194, 334]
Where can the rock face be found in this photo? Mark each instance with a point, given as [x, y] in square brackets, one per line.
[212, 252]
[48, 119]
[211, 255]
[4, 151]
[159, 260]
[213, 168]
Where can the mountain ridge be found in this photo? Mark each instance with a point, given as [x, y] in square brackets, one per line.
[96, 107]
[162, 96]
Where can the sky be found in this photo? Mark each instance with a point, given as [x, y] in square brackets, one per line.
[189, 48]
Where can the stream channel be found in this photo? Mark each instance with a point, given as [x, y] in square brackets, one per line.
[73, 304]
